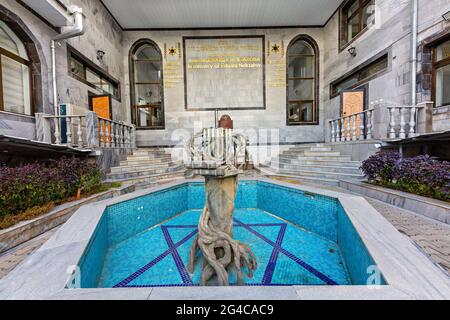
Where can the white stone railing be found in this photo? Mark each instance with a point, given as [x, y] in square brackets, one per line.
[355, 127]
[85, 132]
[407, 126]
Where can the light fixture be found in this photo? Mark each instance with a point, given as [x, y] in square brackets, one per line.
[446, 16]
[100, 55]
[352, 51]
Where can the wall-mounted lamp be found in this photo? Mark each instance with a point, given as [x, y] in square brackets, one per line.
[352, 51]
[100, 55]
[446, 16]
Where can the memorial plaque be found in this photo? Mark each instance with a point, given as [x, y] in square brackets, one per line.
[224, 72]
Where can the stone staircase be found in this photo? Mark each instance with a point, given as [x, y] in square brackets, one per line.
[147, 165]
[313, 163]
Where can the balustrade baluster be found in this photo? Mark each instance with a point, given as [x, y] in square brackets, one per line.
[412, 122]
[117, 135]
[369, 124]
[402, 134]
[354, 130]
[113, 135]
[57, 133]
[342, 129]
[122, 142]
[337, 137]
[69, 131]
[107, 136]
[362, 126]
[392, 134]
[80, 133]
[127, 137]
[349, 137]
[102, 134]
[333, 136]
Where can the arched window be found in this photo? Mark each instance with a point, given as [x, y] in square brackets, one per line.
[15, 73]
[147, 85]
[302, 82]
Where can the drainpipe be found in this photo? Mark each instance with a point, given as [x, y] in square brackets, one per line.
[414, 32]
[77, 29]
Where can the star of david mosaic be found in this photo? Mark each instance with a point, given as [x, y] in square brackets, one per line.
[172, 51]
[278, 265]
[276, 48]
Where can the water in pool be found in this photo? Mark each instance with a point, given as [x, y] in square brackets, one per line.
[297, 238]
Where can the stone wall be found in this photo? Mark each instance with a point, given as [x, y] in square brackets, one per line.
[102, 34]
[263, 126]
[392, 33]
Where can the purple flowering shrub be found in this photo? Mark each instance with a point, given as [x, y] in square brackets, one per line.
[381, 166]
[36, 184]
[421, 175]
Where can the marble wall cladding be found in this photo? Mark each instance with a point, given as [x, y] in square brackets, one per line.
[109, 158]
[391, 33]
[17, 126]
[181, 123]
[441, 119]
[102, 33]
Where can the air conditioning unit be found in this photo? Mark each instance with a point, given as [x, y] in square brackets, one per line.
[77, 111]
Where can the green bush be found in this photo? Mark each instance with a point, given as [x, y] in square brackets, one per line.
[36, 184]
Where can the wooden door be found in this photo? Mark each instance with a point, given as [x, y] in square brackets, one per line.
[353, 102]
[102, 106]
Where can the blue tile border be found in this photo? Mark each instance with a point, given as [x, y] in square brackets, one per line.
[187, 281]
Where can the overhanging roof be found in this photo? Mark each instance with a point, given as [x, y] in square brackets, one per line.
[205, 14]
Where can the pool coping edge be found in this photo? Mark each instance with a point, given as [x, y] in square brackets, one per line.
[27, 280]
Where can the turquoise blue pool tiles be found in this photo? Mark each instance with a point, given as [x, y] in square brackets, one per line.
[91, 262]
[355, 253]
[158, 256]
[323, 216]
[311, 211]
[128, 218]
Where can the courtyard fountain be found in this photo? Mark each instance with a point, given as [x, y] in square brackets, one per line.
[218, 154]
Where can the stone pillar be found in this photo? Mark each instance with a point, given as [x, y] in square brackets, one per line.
[43, 128]
[92, 130]
[425, 117]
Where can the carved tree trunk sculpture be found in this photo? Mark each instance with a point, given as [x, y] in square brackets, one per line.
[221, 252]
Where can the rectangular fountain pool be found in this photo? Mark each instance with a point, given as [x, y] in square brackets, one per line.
[298, 238]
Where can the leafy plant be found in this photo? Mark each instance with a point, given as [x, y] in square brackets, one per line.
[36, 184]
[420, 175]
[381, 166]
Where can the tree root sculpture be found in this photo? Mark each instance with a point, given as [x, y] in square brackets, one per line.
[220, 251]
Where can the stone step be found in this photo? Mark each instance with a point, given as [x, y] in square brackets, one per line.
[307, 146]
[314, 149]
[144, 162]
[150, 178]
[306, 179]
[137, 174]
[149, 157]
[321, 175]
[323, 157]
[320, 162]
[149, 152]
[140, 167]
[321, 154]
[315, 168]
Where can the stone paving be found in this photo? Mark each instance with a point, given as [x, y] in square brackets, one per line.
[431, 237]
[12, 258]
